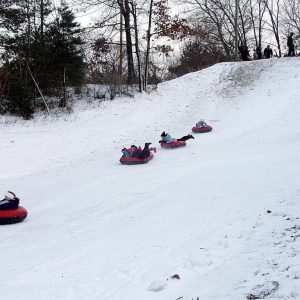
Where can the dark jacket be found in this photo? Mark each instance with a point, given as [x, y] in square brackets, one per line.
[9, 204]
[258, 52]
[244, 52]
[290, 41]
[291, 46]
[268, 52]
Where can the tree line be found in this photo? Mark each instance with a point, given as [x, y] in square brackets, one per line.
[44, 51]
[41, 52]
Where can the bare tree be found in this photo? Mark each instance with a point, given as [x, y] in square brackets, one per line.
[220, 15]
[125, 11]
[273, 9]
[257, 10]
[137, 49]
[148, 45]
[291, 15]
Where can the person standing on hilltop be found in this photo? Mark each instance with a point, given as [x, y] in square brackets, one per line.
[268, 52]
[244, 52]
[290, 44]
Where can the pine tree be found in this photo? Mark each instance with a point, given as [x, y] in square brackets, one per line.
[37, 52]
[64, 42]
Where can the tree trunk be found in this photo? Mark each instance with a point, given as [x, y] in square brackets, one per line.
[148, 46]
[42, 19]
[137, 50]
[274, 16]
[126, 14]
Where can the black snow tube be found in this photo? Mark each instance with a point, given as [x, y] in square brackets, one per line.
[11, 216]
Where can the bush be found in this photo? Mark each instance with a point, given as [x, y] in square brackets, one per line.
[21, 101]
[197, 55]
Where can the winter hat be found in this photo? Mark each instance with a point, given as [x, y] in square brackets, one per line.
[133, 146]
[163, 134]
[10, 195]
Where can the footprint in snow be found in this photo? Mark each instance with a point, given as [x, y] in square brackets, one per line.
[157, 286]
[261, 291]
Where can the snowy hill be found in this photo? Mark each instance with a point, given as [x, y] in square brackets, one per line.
[222, 213]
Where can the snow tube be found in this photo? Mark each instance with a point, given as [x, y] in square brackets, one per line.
[11, 216]
[202, 129]
[134, 160]
[173, 144]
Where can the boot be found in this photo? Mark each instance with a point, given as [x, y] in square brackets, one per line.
[147, 145]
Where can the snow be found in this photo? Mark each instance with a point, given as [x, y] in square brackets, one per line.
[222, 212]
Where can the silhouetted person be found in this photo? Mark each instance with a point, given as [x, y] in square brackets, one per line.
[244, 52]
[268, 52]
[258, 52]
[290, 44]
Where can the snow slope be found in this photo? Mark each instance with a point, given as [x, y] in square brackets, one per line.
[222, 213]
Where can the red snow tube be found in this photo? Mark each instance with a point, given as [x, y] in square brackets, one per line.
[173, 144]
[202, 129]
[10, 216]
[134, 160]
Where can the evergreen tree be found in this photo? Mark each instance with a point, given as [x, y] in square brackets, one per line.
[14, 93]
[35, 52]
[64, 43]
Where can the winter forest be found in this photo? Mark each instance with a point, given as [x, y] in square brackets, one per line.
[51, 50]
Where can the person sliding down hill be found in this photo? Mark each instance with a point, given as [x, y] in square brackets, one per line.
[201, 124]
[128, 152]
[166, 138]
[138, 152]
[10, 201]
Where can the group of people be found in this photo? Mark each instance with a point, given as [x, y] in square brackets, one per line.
[143, 153]
[268, 52]
[10, 201]
[245, 55]
[138, 152]
[258, 54]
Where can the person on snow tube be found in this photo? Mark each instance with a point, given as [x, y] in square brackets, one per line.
[138, 152]
[201, 124]
[129, 152]
[166, 138]
[10, 201]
